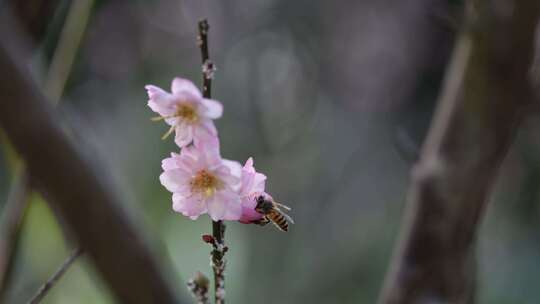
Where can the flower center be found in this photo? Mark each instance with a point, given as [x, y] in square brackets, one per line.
[187, 112]
[205, 183]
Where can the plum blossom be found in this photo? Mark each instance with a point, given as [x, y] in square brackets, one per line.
[185, 110]
[202, 182]
[252, 185]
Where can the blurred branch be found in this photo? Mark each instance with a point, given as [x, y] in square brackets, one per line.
[10, 225]
[78, 189]
[67, 48]
[485, 94]
[45, 288]
[62, 62]
[218, 228]
[34, 15]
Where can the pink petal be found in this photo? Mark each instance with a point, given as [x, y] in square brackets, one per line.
[204, 132]
[246, 183]
[234, 211]
[212, 108]
[189, 206]
[248, 211]
[249, 165]
[174, 179]
[169, 163]
[216, 208]
[181, 85]
[234, 167]
[224, 174]
[259, 183]
[208, 126]
[231, 201]
[210, 152]
[155, 92]
[160, 101]
[184, 135]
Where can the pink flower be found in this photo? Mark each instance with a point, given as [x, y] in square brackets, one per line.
[185, 110]
[202, 182]
[252, 185]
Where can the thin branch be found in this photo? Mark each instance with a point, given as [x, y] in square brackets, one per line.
[78, 187]
[45, 288]
[67, 48]
[485, 95]
[218, 228]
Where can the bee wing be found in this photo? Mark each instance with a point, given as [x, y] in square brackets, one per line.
[283, 206]
[288, 218]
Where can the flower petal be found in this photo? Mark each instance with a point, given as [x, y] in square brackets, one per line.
[184, 135]
[204, 132]
[224, 174]
[174, 180]
[216, 208]
[210, 155]
[249, 165]
[233, 208]
[212, 108]
[191, 206]
[208, 126]
[234, 167]
[160, 101]
[234, 211]
[259, 182]
[248, 211]
[182, 85]
[169, 163]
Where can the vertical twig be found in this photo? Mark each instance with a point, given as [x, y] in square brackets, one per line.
[486, 93]
[45, 288]
[218, 227]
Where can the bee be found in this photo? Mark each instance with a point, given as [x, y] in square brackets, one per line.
[272, 213]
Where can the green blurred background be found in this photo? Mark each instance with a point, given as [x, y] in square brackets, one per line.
[331, 98]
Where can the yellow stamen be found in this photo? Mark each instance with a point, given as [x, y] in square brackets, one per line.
[187, 112]
[184, 111]
[205, 183]
[171, 129]
[157, 118]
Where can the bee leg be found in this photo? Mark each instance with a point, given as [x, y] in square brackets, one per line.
[262, 221]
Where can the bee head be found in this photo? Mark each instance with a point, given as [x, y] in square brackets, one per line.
[264, 205]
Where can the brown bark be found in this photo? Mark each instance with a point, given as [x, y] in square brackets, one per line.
[485, 93]
[34, 16]
[77, 188]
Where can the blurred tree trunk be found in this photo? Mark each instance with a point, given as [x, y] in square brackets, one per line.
[486, 92]
[34, 15]
[77, 186]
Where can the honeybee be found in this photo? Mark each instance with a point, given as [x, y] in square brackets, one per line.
[272, 213]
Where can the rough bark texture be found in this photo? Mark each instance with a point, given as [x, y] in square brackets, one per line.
[78, 189]
[486, 91]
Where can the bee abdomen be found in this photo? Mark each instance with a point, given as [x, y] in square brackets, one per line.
[280, 221]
